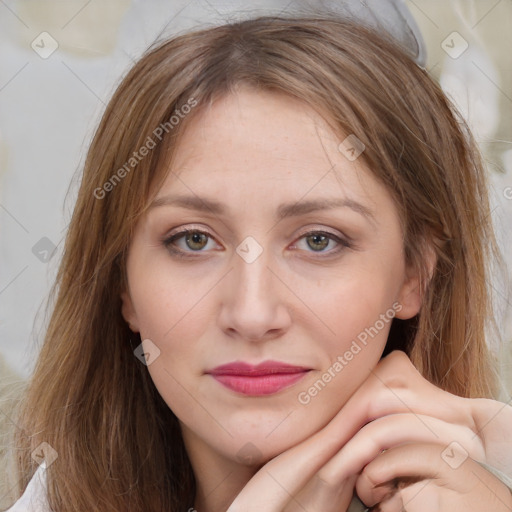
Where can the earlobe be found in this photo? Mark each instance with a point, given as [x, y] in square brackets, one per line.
[128, 312]
[413, 290]
[410, 298]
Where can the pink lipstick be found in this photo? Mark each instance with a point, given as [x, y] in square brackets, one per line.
[265, 378]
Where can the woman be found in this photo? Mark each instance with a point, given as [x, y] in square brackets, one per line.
[273, 294]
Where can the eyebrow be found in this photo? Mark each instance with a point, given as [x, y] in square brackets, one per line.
[284, 211]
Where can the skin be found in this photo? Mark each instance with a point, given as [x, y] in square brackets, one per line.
[395, 426]
[301, 301]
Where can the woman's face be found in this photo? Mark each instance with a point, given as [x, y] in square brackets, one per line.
[265, 275]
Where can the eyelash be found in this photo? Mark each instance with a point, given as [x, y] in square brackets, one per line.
[168, 242]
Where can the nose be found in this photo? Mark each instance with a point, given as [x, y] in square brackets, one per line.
[254, 300]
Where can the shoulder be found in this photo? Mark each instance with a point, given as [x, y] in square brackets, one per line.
[34, 498]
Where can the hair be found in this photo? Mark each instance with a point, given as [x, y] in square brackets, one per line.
[119, 445]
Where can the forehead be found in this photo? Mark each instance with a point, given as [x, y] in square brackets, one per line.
[266, 145]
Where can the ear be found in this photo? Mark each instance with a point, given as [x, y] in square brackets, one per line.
[413, 290]
[128, 312]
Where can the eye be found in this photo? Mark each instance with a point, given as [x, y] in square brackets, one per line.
[319, 240]
[193, 239]
[188, 241]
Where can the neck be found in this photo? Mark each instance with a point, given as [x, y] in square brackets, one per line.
[218, 479]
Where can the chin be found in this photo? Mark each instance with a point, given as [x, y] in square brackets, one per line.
[256, 449]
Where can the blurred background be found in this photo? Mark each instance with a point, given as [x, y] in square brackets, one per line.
[59, 64]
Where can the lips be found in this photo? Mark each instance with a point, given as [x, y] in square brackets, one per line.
[265, 378]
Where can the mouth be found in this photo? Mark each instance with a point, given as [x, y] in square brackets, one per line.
[265, 378]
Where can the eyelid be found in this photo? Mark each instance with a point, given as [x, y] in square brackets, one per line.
[327, 231]
[183, 229]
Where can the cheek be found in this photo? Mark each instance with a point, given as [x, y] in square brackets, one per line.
[335, 308]
[166, 298]
[347, 302]
[339, 311]
[356, 312]
[176, 311]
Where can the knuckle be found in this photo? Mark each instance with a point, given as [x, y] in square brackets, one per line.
[371, 476]
[398, 357]
[326, 479]
[397, 381]
[397, 369]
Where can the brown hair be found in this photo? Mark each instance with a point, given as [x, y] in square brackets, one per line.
[119, 445]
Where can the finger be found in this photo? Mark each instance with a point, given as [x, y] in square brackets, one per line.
[395, 386]
[404, 465]
[420, 497]
[391, 431]
[492, 423]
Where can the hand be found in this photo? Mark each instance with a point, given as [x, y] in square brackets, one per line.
[394, 406]
[416, 478]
